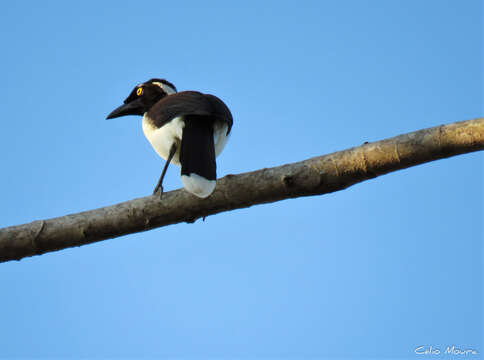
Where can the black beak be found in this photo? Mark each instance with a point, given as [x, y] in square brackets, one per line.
[132, 108]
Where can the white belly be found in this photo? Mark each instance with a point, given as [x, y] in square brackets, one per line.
[163, 138]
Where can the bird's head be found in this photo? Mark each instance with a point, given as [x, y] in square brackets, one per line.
[143, 97]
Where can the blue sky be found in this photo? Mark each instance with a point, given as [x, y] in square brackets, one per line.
[373, 271]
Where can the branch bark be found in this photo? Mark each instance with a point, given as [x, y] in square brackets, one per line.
[315, 176]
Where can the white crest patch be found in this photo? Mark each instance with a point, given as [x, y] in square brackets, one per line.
[166, 88]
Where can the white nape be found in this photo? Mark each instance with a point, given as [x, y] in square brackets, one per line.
[163, 138]
[198, 185]
[167, 88]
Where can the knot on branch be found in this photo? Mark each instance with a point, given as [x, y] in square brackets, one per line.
[289, 181]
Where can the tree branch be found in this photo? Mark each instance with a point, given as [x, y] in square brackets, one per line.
[316, 176]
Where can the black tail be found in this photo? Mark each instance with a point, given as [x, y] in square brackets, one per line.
[197, 155]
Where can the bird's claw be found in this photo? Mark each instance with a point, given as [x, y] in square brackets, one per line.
[158, 189]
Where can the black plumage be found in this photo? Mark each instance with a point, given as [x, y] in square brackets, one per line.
[189, 103]
[187, 128]
[197, 151]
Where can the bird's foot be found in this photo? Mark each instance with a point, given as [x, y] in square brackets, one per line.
[158, 189]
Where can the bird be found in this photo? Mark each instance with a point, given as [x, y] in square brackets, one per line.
[188, 128]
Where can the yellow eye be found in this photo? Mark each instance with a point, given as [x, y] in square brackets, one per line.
[139, 91]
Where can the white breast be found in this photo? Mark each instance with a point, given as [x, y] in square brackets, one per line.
[163, 138]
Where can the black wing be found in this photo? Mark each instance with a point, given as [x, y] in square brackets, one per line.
[189, 103]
